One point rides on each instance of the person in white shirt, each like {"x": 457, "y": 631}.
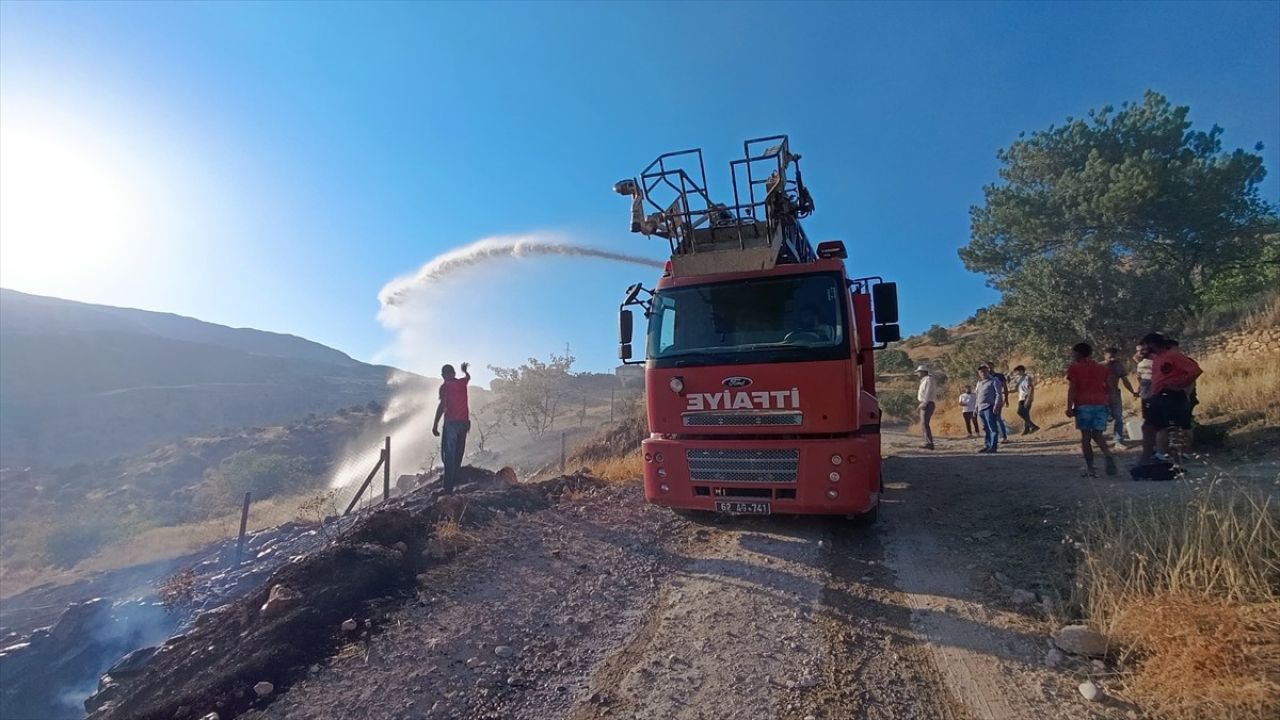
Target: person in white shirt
{"x": 927, "y": 394}
{"x": 969, "y": 407}
{"x": 1026, "y": 395}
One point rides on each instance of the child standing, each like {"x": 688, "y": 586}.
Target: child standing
{"x": 969, "y": 407}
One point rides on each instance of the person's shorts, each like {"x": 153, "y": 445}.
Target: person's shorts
{"x": 1167, "y": 410}
{"x": 1092, "y": 417}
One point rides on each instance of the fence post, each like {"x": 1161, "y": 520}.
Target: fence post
{"x": 386, "y": 470}
{"x": 364, "y": 485}
{"x": 244, "y": 524}
{"x": 563, "y": 435}
{"x": 611, "y": 392}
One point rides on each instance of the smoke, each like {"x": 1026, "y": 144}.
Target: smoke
{"x": 488, "y": 302}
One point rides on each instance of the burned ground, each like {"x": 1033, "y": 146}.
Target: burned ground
{"x": 215, "y": 665}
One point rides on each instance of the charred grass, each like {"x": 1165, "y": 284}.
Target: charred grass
{"x": 374, "y": 562}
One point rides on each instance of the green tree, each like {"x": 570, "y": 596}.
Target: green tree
{"x": 1111, "y": 225}
{"x": 988, "y": 345}
{"x": 533, "y": 395}
{"x": 937, "y": 334}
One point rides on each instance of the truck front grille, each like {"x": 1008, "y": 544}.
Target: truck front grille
{"x": 742, "y": 419}
{"x": 743, "y": 465}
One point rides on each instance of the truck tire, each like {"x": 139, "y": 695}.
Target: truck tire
{"x": 869, "y": 517}
{"x": 698, "y": 516}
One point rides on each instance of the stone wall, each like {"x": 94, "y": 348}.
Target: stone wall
{"x": 1239, "y": 343}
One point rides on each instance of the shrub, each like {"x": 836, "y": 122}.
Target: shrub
{"x": 78, "y": 537}
{"x": 894, "y": 361}
{"x": 263, "y": 474}
{"x": 178, "y": 590}
{"x": 938, "y": 334}
{"x": 899, "y": 405}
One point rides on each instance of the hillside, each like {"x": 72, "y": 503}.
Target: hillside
{"x": 58, "y": 517}
{"x": 81, "y": 382}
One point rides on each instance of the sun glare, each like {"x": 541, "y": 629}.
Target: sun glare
{"x": 69, "y": 205}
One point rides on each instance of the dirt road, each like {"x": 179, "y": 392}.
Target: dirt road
{"x": 603, "y": 607}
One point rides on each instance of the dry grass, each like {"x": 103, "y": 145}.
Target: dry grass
{"x": 628, "y": 468}
{"x": 160, "y": 543}
{"x": 1245, "y": 390}
{"x": 1050, "y": 405}
{"x": 1201, "y": 658}
{"x": 1241, "y": 391}
{"x": 1188, "y": 587}
{"x": 448, "y": 538}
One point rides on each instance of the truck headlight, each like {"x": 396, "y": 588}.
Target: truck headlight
{"x": 676, "y": 385}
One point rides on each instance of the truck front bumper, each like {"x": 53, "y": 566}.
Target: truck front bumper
{"x": 823, "y": 477}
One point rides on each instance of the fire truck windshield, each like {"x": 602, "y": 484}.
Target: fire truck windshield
{"x": 778, "y": 319}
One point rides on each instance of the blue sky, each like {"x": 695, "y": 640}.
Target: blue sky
{"x": 273, "y": 165}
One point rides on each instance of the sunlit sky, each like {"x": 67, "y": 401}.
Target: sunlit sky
{"x": 273, "y": 165}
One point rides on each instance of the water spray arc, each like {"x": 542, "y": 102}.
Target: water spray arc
{"x": 409, "y": 308}
{"x": 497, "y": 248}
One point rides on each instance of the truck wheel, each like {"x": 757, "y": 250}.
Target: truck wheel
{"x": 867, "y": 518}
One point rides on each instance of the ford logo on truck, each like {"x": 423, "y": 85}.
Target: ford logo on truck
{"x": 737, "y": 382}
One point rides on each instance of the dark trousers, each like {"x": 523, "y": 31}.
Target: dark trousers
{"x": 971, "y": 423}
{"x": 453, "y": 445}
{"x": 1024, "y": 412}
{"x": 1117, "y": 414}
{"x": 926, "y": 415}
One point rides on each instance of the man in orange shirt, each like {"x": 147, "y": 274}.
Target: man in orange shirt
{"x": 1088, "y": 401}
{"x": 1168, "y": 404}
{"x": 454, "y": 409}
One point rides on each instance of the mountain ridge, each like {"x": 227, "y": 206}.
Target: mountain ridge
{"x": 83, "y": 382}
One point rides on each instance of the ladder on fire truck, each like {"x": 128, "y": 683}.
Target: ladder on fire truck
{"x": 759, "y": 230}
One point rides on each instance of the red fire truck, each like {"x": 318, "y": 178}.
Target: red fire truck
{"x": 760, "y": 376}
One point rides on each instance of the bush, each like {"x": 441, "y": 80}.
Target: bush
{"x": 894, "y": 361}
{"x": 938, "y": 334}
{"x": 899, "y": 405}
{"x": 263, "y": 474}
{"x": 78, "y": 537}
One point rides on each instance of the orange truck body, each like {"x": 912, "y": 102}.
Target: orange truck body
{"x": 759, "y": 350}
{"x": 828, "y": 463}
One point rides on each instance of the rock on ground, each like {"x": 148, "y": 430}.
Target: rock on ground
{"x": 1081, "y": 640}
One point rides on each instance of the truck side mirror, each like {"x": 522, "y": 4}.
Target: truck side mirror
{"x": 884, "y": 297}
{"x": 625, "y": 321}
{"x": 888, "y": 333}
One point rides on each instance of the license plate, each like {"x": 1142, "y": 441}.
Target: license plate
{"x": 742, "y": 508}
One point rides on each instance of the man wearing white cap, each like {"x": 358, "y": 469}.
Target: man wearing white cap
{"x": 926, "y": 395}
